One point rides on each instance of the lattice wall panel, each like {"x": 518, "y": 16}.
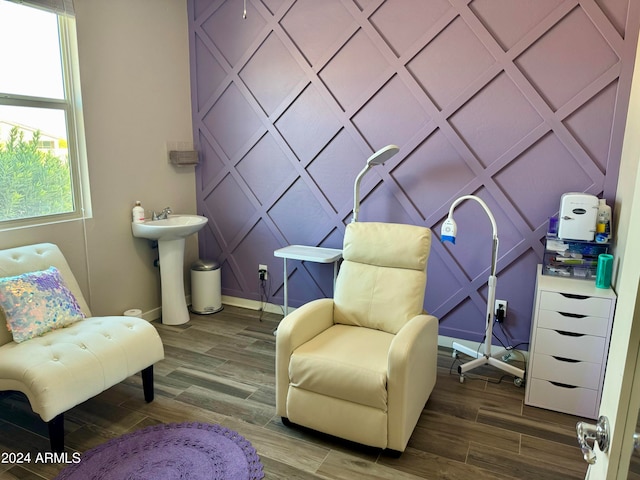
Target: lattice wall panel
{"x": 517, "y": 102}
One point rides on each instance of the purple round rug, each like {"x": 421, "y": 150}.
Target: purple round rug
{"x": 170, "y": 451}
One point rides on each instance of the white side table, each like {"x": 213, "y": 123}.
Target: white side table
{"x": 307, "y": 254}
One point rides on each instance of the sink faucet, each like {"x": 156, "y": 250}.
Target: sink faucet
{"x": 163, "y": 215}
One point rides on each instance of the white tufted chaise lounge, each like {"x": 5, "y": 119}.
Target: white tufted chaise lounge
{"x": 68, "y": 366}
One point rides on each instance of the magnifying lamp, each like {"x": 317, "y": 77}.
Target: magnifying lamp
{"x": 448, "y": 232}
{"x": 378, "y": 158}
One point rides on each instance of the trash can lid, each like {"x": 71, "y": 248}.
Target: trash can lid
{"x": 203, "y": 265}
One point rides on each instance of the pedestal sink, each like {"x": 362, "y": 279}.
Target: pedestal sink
{"x": 171, "y": 234}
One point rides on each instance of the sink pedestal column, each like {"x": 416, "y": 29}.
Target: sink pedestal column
{"x": 174, "y": 305}
{"x": 170, "y": 233}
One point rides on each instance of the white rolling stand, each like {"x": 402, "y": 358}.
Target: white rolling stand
{"x": 569, "y": 345}
{"x": 307, "y": 254}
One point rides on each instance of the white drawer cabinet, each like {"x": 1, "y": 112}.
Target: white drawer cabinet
{"x": 570, "y": 333}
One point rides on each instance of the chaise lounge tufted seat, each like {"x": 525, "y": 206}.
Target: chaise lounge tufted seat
{"x": 67, "y": 366}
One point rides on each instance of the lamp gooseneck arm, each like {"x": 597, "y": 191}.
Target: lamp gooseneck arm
{"x": 482, "y": 204}
{"x": 356, "y": 193}
{"x": 494, "y": 250}
{"x": 377, "y": 158}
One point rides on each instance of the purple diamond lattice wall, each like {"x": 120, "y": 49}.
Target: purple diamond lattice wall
{"x": 517, "y": 102}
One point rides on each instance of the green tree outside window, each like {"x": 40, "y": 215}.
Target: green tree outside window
{"x": 33, "y": 182}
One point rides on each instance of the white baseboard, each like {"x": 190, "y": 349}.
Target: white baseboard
{"x": 443, "y": 341}
{"x": 156, "y": 313}
{"x": 153, "y": 314}
{"x": 254, "y": 304}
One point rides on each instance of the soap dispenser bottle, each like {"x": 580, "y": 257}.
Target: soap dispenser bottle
{"x": 138, "y": 213}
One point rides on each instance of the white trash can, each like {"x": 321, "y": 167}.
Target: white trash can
{"x": 206, "y": 294}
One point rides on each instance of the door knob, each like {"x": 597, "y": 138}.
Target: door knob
{"x": 598, "y": 433}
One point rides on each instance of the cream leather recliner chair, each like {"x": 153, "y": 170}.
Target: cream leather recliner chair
{"x": 362, "y": 365}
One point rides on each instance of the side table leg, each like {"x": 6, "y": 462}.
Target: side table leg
{"x": 286, "y": 290}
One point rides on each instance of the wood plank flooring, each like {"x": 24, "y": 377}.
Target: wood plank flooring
{"x": 220, "y": 369}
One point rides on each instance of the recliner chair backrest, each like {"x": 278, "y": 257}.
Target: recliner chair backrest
{"x": 382, "y": 280}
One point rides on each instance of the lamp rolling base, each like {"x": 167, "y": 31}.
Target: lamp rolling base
{"x": 483, "y": 359}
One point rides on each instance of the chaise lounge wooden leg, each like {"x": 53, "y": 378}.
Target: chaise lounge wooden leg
{"x": 56, "y": 433}
{"x": 56, "y": 424}
{"x": 147, "y": 383}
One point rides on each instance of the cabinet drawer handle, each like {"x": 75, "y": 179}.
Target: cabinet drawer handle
{"x": 561, "y": 385}
{"x": 568, "y": 360}
{"x": 569, "y": 334}
{"x": 572, "y": 315}
{"x": 574, "y": 296}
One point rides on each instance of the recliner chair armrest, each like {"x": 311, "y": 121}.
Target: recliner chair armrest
{"x": 305, "y": 322}
{"x": 412, "y": 371}
{"x": 297, "y": 328}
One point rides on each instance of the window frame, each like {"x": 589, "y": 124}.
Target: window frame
{"x": 71, "y": 105}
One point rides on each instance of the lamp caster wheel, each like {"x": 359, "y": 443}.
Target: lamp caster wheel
{"x": 518, "y": 382}
{"x": 454, "y": 354}
{"x": 461, "y": 378}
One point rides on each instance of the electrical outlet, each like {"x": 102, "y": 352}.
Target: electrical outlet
{"x": 263, "y": 272}
{"x": 500, "y": 310}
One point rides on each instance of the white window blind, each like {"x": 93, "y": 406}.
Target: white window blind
{"x": 60, "y": 7}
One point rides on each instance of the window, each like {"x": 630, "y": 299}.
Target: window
{"x": 42, "y": 159}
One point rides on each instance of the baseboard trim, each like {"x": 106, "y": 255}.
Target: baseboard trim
{"x": 156, "y": 313}
{"x": 254, "y": 304}
{"x": 153, "y": 314}
{"x": 443, "y": 341}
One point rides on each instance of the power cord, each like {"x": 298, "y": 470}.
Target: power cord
{"x": 510, "y": 347}
{"x": 264, "y": 287}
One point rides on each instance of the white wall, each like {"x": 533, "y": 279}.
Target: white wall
{"x": 134, "y": 67}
